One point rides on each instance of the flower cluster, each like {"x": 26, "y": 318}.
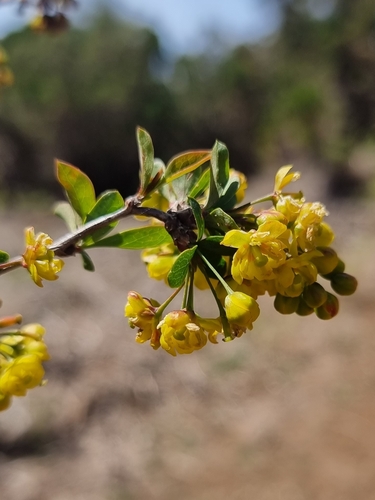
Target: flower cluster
{"x": 283, "y": 251}
{"x": 22, "y": 352}
{"x": 179, "y": 332}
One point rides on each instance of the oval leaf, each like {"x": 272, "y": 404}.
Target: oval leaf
{"x": 197, "y": 212}
{"x": 180, "y": 268}
{"x": 220, "y": 172}
{"x": 146, "y": 158}
{"x": 78, "y": 187}
{"x": 88, "y": 264}
{"x": 65, "y": 211}
{"x": 135, "y": 239}
{"x": 223, "y": 220}
{"x": 184, "y": 163}
{"x": 201, "y": 185}
{"x": 212, "y": 244}
{"x": 107, "y": 203}
{"x": 4, "y": 257}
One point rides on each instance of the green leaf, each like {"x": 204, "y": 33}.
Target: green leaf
{"x": 223, "y": 220}
{"x": 201, "y": 185}
{"x": 180, "y": 187}
{"x": 135, "y": 239}
{"x": 65, "y": 211}
{"x": 184, "y": 163}
{"x": 146, "y": 158}
{"x": 228, "y": 200}
{"x": 4, "y": 257}
{"x": 197, "y": 212}
{"x": 87, "y": 262}
{"x": 180, "y": 268}
{"x": 212, "y": 244}
{"x": 220, "y": 172}
{"x": 107, "y": 203}
{"x": 78, "y": 187}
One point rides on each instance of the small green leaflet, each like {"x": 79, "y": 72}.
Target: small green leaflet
{"x": 88, "y": 264}
{"x": 212, "y": 244}
{"x": 146, "y": 158}
{"x": 78, "y": 187}
{"x": 65, "y": 211}
{"x": 185, "y": 163}
{"x": 107, "y": 203}
{"x": 180, "y": 268}
{"x": 201, "y": 185}
{"x": 135, "y": 239}
{"x": 181, "y": 187}
{"x": 4, "y": 257}
{"x": 220, "y": 172}
{"x": 223, "y": 220}
{"x": 197, "y": 212}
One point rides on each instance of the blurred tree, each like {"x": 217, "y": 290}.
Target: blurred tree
{"x": 308, "y": 91}
{"x": 79, "y": 96}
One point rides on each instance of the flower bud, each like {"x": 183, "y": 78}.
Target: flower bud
{"x": 327, "y": 262}
{"x": 241, "y": 309}
{"x": 314, "y": 295}
{"x": 303, "y": 309}
{"x": 329, "y": 309}
{"x": 286, "y": 305}
{"x": 5, "y": 401}
{"x": 324, "y": 236}
{"x": 340, "y": 268}
{"x": 271, "y": 214}
{"x": 344, "y": 284}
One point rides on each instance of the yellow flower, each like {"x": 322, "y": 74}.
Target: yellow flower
{"x": 38, "y": 259}
{"x": 296, "y": 273}
{"x": 283, "y": 178}
{"x": 271, "y": 214}
{"x": 254, "y": 288}
{"x": 28, "y": 340}
{"x": 212, "y": 326}
{"x": 141, "y": 313}
{"x": 181, "y": 333}
{"x": 290, "y": 207}
{"x": 160, "y": 260}
{"x": 259, "y": 251}
{"x": 33, "y": 341}
{"x": 241, "y": 310}
{"x": 21, "y": 374}
{"x": 307, "y": 228}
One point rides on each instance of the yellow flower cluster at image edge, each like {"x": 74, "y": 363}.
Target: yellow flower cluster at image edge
{"x": 21, "y": 356}
{"x": 179, "y": 332}
{"x": 38, "y": 259}
{"x": 283, "y": 256}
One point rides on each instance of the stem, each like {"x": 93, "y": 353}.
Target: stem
{"x": 222, "y": 281}
{"x": 64, "y": 246}
{"x": 165, "y": 304}
{"x": 269, "y": 197}
{"x": 190, "y": 294}
{"x": 223, "y": 316}
{"x": 11, "y": 264}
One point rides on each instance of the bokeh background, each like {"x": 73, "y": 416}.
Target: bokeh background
{"x": 286, "y": 412}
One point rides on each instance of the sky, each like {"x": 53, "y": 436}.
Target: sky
{"x": 183, "y": 26}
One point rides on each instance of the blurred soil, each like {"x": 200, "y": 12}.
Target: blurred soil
{"x": 287, "y": 412}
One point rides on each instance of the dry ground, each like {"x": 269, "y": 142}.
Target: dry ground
{"x": 285, "y": 413}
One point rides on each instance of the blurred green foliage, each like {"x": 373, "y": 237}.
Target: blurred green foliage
{"x": 308, "y": 91}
